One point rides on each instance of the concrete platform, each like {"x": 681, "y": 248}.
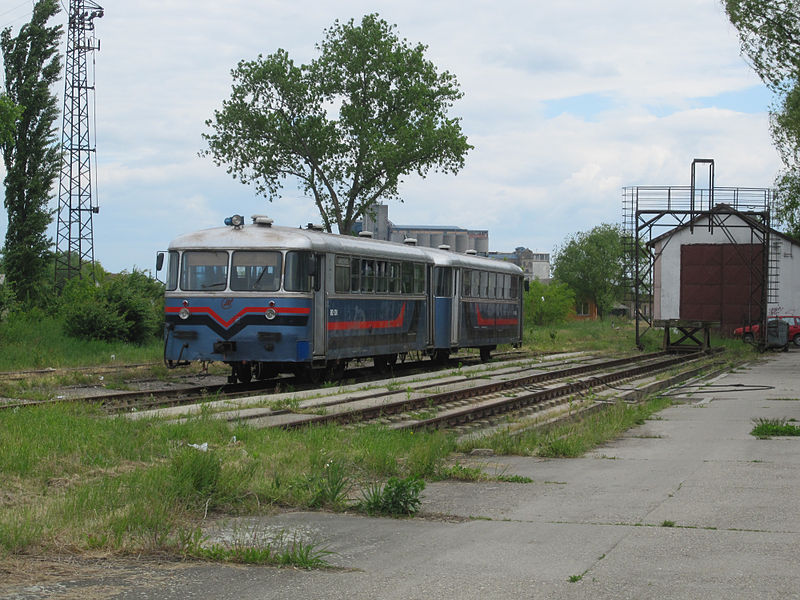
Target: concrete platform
{"x": 689, "y": 505}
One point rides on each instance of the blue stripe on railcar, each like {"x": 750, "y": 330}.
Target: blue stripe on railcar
{"x": 363, "y": 326}
{"x": 233, "y": 329}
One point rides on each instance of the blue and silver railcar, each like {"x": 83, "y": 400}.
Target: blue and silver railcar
{"x": 477, "y": 303}
{"x": 268, "y": 299}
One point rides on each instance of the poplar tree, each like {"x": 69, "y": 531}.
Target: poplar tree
{"x": 32, "y": 66}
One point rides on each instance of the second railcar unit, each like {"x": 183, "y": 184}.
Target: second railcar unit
{"x": 268, "y": 299}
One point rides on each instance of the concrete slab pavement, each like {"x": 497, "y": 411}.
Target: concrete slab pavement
{"x": 689, "y": 505}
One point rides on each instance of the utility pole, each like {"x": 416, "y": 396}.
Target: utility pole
{"x": 74, "y": 234}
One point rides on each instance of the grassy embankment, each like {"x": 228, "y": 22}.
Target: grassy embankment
{"x": 77, "y": 482}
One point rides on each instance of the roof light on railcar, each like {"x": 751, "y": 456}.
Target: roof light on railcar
{"x": 235, "y": 220}
{"x": 262, "y": 220}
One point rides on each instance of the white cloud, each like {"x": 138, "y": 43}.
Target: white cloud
{"x": 543, "y": 166}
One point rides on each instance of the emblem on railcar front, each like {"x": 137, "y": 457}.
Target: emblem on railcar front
{"x": 226, "y": 302}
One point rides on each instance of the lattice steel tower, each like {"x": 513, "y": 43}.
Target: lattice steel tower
{"x": 74, "y": 234}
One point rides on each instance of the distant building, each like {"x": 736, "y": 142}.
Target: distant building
{"x": 430, "y": 236}
{"x": 536, "y": 265}
{"x": 585, "y": 310}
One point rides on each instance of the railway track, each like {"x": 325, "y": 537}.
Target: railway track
{"x": 451, "y": 401}
{"x": 52, "y": 372}
{"x": 146, "y": 399}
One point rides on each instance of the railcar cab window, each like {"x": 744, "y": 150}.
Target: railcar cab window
{"x": 172, "y": 271}
{"x": 256, "y": 271}
{"x": 204, "y": 270}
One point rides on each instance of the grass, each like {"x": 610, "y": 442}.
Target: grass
{"x": 75, "y": 480}
{"x": 571, "y": 439}
{"x": 36, "y": 340}
{"x": 766, "y": 428}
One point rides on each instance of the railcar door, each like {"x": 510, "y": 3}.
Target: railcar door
{"x": 455, "y": 318}
{"x": 318, "y": 291}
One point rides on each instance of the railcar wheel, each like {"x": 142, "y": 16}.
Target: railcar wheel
{"x": 262, "y": 371}
{"x": 334, "y": 371}
{"x": 486, "y": 354}
{"x": 440, "y": 357}
{"x": 308, "y": 374}
{"x": 385, "y": 362}
{"x": 244, "y": 372}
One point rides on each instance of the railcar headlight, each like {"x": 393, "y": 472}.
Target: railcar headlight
{"x": 183, "y": 313}
{"x": 235, "y": 220}
{"x": 270, "y": 313}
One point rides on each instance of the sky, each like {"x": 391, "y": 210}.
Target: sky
{"x": 564, "y": 102}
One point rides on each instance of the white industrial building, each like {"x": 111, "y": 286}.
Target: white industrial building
{"x": 717, "y": 273}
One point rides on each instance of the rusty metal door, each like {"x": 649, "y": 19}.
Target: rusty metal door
{"x": 721, "y": 282}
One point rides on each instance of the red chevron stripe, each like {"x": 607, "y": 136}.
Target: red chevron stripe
{"x": 258, "y": 310}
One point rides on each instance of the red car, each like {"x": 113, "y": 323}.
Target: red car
{"x": 748, "y": 333}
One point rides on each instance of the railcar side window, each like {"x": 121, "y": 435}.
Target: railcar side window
{"x": 256, "y": 271}
{"x": 172, "y": 271}
{"x": 492, "y": 290}
{"x": 381, "y": 280}
{"x": 394, "y": 278}
{"x": 408, "y": 278}
{"x": 419, "y": 279}
{"x": 355, "y": 274}
{"x": 298, "y": 272}
{"x": 514, "y": 287}
{"x": 367, "y": 275}
{"x": 342, "y": 274}
{"x": 204, "y": 270}
{"x": 443, "y": 281}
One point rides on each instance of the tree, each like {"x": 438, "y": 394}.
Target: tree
{"x": 769, "y": 31}
{"x": 31, "y": 156}
{"x": 592, "y": 264}
{"x": 392, "y": 121}
{"x": 9, "y": 115}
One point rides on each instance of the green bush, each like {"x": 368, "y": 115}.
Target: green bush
{"x": 548, "y": 304}
{"x": 127, "y": 307}
{"x": 95, "y": 320}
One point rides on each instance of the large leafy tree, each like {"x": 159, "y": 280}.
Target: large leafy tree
{"x": 32, "y": 65}
{"x": 348, "y": 126}
{"x": 769, "y": 31}
{"x": 592, "y": 263}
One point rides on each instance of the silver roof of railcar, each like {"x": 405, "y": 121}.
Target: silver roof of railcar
{"x": 258, "y": 237}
